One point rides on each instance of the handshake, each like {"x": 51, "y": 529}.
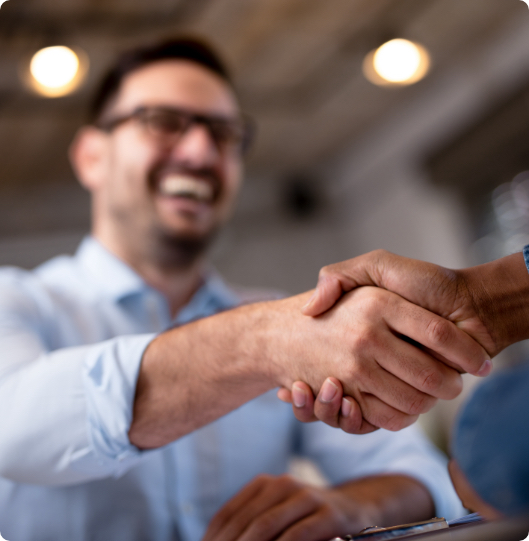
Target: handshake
{"x": 412, "y": 335}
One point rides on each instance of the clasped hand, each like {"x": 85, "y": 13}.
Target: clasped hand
{"x": 415, "y": 354}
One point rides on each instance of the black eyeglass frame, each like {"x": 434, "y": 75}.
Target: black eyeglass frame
{"x": 244, "y": 123}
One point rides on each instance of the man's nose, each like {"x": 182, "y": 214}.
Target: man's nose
{"x": 196, "y": 146}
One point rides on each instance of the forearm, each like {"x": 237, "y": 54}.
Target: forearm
{"x": 385, "y": 500}
{"x": 500, "y": 294}
{"x": 194, "y": 374}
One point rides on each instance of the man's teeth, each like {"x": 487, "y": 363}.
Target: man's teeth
{"x": 184, "y": 186}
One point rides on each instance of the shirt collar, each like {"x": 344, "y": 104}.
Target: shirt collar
{"x": 111, "y": 275}
{"x": 118, "y": 281}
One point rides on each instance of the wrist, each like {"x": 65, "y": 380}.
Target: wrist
{"x": 279, "y": 340}
{"x": 499, "y": 292}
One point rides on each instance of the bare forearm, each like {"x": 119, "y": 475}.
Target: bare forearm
{"x": 386, "y": 500}
{"x": 194, "y": 374}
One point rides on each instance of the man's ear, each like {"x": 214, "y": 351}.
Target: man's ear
{"x": 88, "y": 154}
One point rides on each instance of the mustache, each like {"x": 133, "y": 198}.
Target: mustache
{"x": 206, "y": 174}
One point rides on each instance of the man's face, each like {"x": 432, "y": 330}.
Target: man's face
{"x": 183, "y": 189}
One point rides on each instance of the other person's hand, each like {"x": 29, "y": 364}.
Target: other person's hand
{"x": 486, "y": 301}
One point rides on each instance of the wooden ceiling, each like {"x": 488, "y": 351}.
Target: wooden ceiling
{"x": 297, "y": 64}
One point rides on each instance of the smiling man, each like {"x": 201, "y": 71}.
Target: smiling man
{"x": 138, "y": 397}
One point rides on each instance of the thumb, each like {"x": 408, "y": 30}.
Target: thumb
{"x": 328, "y": 290}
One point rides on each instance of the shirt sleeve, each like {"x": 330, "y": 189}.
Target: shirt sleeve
{"x": 526, "y": 256}
{"x": 342, "y": 457}
{"x": 65, "y": 412}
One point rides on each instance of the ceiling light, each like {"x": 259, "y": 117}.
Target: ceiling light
{"x": 398, "y": 62}
{"x": 56, "y": 71}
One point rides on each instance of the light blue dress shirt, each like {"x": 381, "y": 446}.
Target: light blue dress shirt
{"x": 72, "y": 335}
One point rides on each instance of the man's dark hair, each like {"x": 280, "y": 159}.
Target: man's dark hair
{"x": 184, "y": 48}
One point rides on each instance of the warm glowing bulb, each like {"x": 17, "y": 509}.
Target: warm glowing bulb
{"x": 54, "y": 66}
{"x": 56, "y": 71}
{"x": 397, "y": 62}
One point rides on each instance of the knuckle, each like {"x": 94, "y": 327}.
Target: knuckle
{"x": 364, "y": 339}
{"x": 264, "y": 524}
{"x": 325, "y": 271}
{"x": 380, "y": 253}
{"x": 328, "y": 272}
{"x": 439, "y": 331}
{"x": 399, "y": 422}
{"x": 421, "y": 404}
{"x": 431, "y": 380}
{"x": 351, "y": 426}
{"x": 455, "y": 387}
{"x": 395, "y": 421}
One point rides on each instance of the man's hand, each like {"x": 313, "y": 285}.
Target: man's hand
{"x": 330, "y": 406}
{"x": 284, "y": 509}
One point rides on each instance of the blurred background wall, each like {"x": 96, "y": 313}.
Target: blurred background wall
{"x": 433, "y": 170}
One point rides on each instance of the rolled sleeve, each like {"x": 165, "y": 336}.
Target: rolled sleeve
{"x": 109, "y": 376}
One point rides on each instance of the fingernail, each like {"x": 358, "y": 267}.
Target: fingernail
{"x": 328, "y": 391}
{"x": 346, "y": 408}
{"x": 298, "y": 396}
{"x": 310, "y": 301}
{"x": 485, "y": 369}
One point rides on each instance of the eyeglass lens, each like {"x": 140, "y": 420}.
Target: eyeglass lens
{"x": 167, "y": 125}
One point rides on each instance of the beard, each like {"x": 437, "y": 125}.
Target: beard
{"x": 179, "y": 252}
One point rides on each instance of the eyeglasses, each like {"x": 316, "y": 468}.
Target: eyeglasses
{"x": 167, "y": 125}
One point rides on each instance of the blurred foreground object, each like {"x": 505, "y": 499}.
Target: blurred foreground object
{"x": 491, "y": 441}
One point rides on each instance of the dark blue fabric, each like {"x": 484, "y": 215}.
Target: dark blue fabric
{"x": 491, "y": 440}
{"x": 526, "y": 256}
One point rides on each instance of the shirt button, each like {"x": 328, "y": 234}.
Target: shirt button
{"x": 187, "y": 508}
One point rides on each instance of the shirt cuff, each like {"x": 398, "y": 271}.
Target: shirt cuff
{"x": 526, "y": 256}
{"x": 109, "y": 376}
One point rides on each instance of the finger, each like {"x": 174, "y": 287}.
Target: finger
{"x": 416, "y": 377}
{"x": 343, "y": 412}
{"x": 275, "y": 520}
{"x": 379, "y": 414}
{"x": 234, "y": 506}
{"x": 397, "y": 394}
{"x": 303, "y": 402}
{"x": 351, "y": 418}
{"x": 284, "y": 395}
{"x": 315, "y": 527}
{"x": 335, "y": 280}
{"x": 251, "y": 505}
{"x": 327, "y": 292}
{"x": 437, "y": 334}
{"x": 328, "y": 404}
